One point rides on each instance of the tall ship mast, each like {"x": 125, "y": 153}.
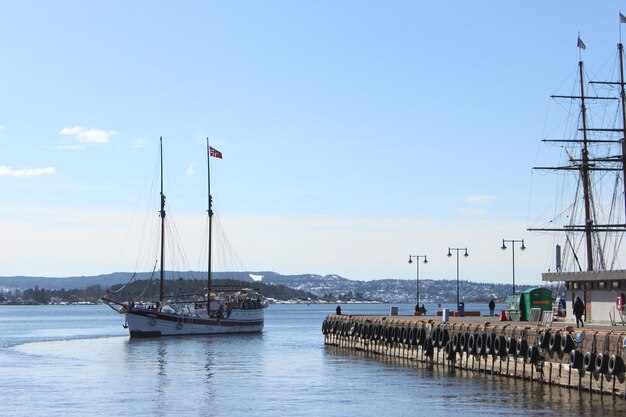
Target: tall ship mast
{"x": 591, "y": 168}
{"x": 592, "y": 224}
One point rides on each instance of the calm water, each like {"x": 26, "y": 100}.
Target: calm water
{"x": 79, "y": 361}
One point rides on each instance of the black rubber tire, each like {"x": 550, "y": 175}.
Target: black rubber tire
{"x": 444, "y": 336}
{"x": 489, "y": 343}
{"x": 511, "y": 346}
{"x": 575, "y": 359}
{"x": 555, "y": 342}
{"x": 615, "y": 365}
{"x": 499, "y": 346}
{"x": 532, "y": 354}
{"x": 521, "y": 348}
{"x": 544, "y": 339}
{"x": 472, "y": 339}
{"x": 602, "y": 363}
{"x": 567, "y": 343}
{"x": 589, "y": 362}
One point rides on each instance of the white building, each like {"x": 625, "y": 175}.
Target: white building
{"x": 599, "y": 290}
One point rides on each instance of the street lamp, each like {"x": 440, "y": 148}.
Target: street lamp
{"x": 417, "y": 280}
{"x": 458, "y": 300}
{"x": 513, "y": 242}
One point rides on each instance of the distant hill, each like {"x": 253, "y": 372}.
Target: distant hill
{"x": 328, "y": 287}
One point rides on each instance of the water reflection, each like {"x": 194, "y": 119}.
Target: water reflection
{"x": 471, "y": 393}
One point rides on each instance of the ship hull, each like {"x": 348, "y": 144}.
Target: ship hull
{"x": 142, "y": 323}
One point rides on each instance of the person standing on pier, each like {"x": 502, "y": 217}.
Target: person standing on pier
{"x": 338, "y": 310}
{"x": 579, "y": 309}
{"x": 492, "y": 307}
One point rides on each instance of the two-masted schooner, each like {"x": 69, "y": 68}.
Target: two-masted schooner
{"x": 223, "y": 311}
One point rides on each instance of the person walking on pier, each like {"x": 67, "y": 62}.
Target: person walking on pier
{"x": 492, "y": 307}
{"x": 579, "y": 309}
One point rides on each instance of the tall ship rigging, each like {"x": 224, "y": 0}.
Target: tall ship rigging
{"x": 219, "y": 310}
{"x": 591, "y": 223}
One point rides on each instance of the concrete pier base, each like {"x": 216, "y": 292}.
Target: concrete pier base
{"x": 584, "y": 359}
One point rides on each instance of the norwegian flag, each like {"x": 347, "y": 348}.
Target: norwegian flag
{"x": 215, "y": 153}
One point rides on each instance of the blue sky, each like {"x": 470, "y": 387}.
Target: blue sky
{"x": 353, "y": 132}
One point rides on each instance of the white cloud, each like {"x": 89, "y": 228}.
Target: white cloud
{"x": 190, "y": 170}
{"x": 139, "y": 143}
{"x": 25, "y": 172}
{"x": 472, "y": 211}
{"x": 480, "y": 198}
{"x": 71, "y": 147}
{"x": 84, "y": 135}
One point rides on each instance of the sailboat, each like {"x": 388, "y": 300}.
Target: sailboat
{"x": 239, "y": 310}
{"x": 591, "y": 225}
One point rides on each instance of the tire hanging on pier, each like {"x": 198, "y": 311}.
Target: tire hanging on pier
{"x": 421, "y": 336}
{"x": 406, "y": 339}
{"x": 575, "y": 359}
{"x": 511, "y": 346}
{"x": 544, "y": 339}
{"x": 615, "y": 365}
{"x": 435, "y": 336}
{"x": 428, "y": 347}
{"x": 567, "y": 343}
{"x": 444, "y": 336}
{"x": 491, "y": 337}
{"x": 471, "y": 343}
{"x": 521, "y": 348}
{"x": 456, "y": 342}
{"x": 589, "y": 362}
{"x": 555, "y": 342}
{"x": 602, "y": 363}
{"x": 532, "y": 354}
{"x": 499, "y": 346}
{"x": 481, "y": 344}
{"x": 449, "y": 351}
{"x": 463, "y": 341}
{"x": 386, "y": 334}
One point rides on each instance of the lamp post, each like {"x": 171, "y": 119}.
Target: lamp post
{"x": 417, "y": 278}
{"x": 513, "y": 242}
{"x": 458, "y": 300}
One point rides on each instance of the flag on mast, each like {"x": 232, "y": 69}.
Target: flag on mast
{"x": 215, "y": 153}
{"x": 581, "y": 44}
{"x": 622, "y": 18}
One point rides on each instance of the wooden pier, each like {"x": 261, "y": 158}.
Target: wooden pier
{"x": 589, "y": 358}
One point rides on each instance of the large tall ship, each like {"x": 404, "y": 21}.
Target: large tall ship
{"x": 218, "y": 310}
{"x": 590, "y": 216}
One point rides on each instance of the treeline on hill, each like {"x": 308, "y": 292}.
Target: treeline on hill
{"x": 145, "y": 290}
{"x": 38, "y": 295}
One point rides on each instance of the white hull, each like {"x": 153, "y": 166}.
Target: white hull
{"x": 145, "y": 323}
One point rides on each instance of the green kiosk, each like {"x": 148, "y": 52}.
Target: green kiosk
{"x": 518, "y": 306}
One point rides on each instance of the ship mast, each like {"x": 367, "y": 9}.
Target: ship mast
{"x": 210, "y": 213}
{"x": 586, "y": 164}
{"x": 584, "y": 173}
{"x": 162, "y": 215}
{"x": 620, "y": 47}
